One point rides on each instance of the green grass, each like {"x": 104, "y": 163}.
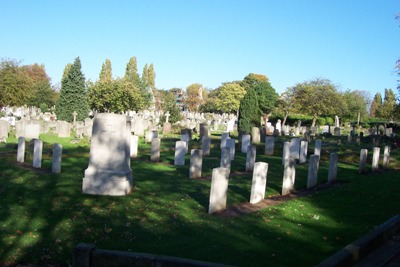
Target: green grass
{"x": 44, "y": 215}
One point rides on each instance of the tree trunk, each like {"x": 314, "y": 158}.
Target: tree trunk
{"x": 285, "y": 118}
{"x": 314, "y": 120}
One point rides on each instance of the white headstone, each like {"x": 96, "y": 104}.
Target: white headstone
{"x": 180, "y": 152}
{"x": 21, "y": 149}
{"x": 196, "y": 163}
{"x": 259, "y": 183}
{"x": 333, "y": 164}
{"x": 363, "y": 161}
{"x": 250, "y": 157}
{"x": 269, "y": 145}
{"x": 57, "y": 155}
{"x": 303, "y": 152}
{"x": 245, "y": 142}
{"x": 289, "y": 175}
{"x": 219, "y": 189}
{"x": 375, "y": 159}
{"x": 313, "y": 171}
{"x": 155, "y": 150}
{"x": 386, "y": 157}
{"x": 134, "y": 146}
{"x": 37, "y": 153}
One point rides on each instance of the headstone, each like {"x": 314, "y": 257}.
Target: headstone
{"x": 375, "y": 159}
{"x": 37, "y": 153}
{"x": 289, "y": 175}
{"x": 109, "y": 171}
{"x": 225, "y": 158}
{"x": 333, "y": 164}
{"x": 63, "y": 129}
{"x": 245, "y": 142}
{"x": 20, "y": 127}
{"x": 185, "y": 137}
{"x": 255, "y": 135}
{"x": 205, "y": 145}
{"x": 269, "y": 145}
{"x": 219, "y": 189}
{"x": 285, "y": 152}
{"x": 295, "y": 148}
{"x": 336, "y": 131}
{"x": 317, "y": 147}
{"x": 21, "y": 149}
{"x": 57, "y": 155}
{"x": 138, "y": 126}
{"x": 155, "y": 150}
{"x": 389, "y": 132}
{"x": 363, "y": 161}
{"x": 196, "y": 163}
{"x": 278, "y": 127}
{"x": 180, "y": 152}
{"x": 167, "y": 128}
{"x": 32, "y": 131}
{"x": 386, "y": 157}
{"x": 134, "y": 146}
{"x": 230, "y": 144}
{"x": 224, "y": 137}
{"x": 259, "y": 182}
{"x": 303, "y": 152}
{"x": 204, "y": 130}
{"x": 250, "y": 157}
{"x": 313, "y": 171}
{"x": 4, "y": 129}
{"x": 230, "y": 125}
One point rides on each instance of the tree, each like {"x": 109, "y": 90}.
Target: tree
{"x": 376, "y": 106}
{"x": 252, "y": 80}
{"x": 73, "y": 94}
{"x": 131, "y": 72}
{"x": 169, "y": 105}
{"x": 194, "y": 96}
{"x": 227, "y": 97}
{"x": 148, "y": 82}
{"x": 15, "y": 84}
{"x": 318, "y": 97}
{"x": 356, "y": 105}
{"x": 389, "y": 105}
{"x": 249, "y": 114}
{"x": 285, "y": 104}
{"x": 106, "y": 71}
{"x": 266, "y": 96}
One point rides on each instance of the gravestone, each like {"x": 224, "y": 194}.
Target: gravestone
{"x": 4, "y": 129}
{"x": 57, "y": 155}
{"x": 250, "y": 157}
{"x": 289, "y": 175}
{"x": 204, "y": 130}
{"x": 20, "y": 127}
{"x": 185, "y": 137}
{"x": 333, "y": 164}
{"x": 245, "y": 142}
{"x": 63, "y": 129}
{"x": 37, "y": 153}
{"x": 285, "y": 152}
{"x": 225, "y": 158}
{"x": 255, "y": 135}
{"x": 21, "y": 149}
{"x": 219, "y": 189}
{"x": 386, "y": 157}
{"x": 109, "y": 171}
{"x": 375, "y": 159}
{"x": 230, "y": 144}
{"x": 269, "y": 145}
{"x": 205, "y": 145}
{"x": 134, "y": 146}
{"x": 32, "y": 131}
{"x": 303, "y": 152}
{"x": 196, "y": 163}
{"x": 295, "y": 148}
{"x": 313, "y": 171}
{"x": 155, "y": 150}
{"x": 167, "y": 128}
{"x": 317, "y": 147}
{"x": 259, "y": 182}
{"x": 138, "y": 126}
{"x": 363, "y": 161}
{"x": 180, "y": 152}
{"x": 336, "y": 131}
{"x": 224, "y": 137}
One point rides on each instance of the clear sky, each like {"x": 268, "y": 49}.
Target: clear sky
{"x": 354, "y": 43}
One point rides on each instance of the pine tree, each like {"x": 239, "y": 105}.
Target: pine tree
{"x": 131, "y": 72}
{"x": 106, "y": 72}
{"x": 249, "y": 112}
{"x": 73, "y": 95}
{"x": 376, "y": 106}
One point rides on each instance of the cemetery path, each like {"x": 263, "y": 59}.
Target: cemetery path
{"x": 246, "y": 208}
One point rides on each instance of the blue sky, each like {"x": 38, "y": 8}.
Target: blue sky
{"x": 354, "y": 43}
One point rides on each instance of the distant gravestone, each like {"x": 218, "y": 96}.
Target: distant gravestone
{"x": 386, "y": 157}
{"x": 155, "y": 150}
{"x": 259, "y": 182}
{"x": 180, "y": 152}
{"x": 205, "y": 145}
{"x": 313, "y": 171}
{"x": 245, "y": 142}
{"x": 196, "y": 163}
{"x": 225, "y": 158}
{"x": 57, "y": 155}
{"x": 230, "y": 144}
{"x": 32, "y": 131}
{"x": 37, "y": 153}
{"x": 269, "y": 145}
{"x": 363, "y": 161}
{"x": 295, "y": 148}
{"x": 20, "y": 127}
{"x": 21, "y": 149}
{"x": 333, "y": 164}
{"x": 219, "y": 189}
{"x": 63, "y": 129}
{"x": 204, "y": 130}
{"x": 4, "y": 129}
{"x": 336, "y": 131}
{"x": 185, "y": 137}
{"x": 224, "y": 137}
{"x": 109, "y": 171}
{"x": 250, "y": 157}
{"x": 134, "y": 146}
{"x": 167, "y": 128}
{"x": 289, "y": 175}
{"x": 375, "y": 159}
{"x": 317, "y": 147}
{"x": 255, "y": 135}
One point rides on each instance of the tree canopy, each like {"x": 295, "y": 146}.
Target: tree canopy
{"x": 249, "y": 114}
{"x": 194, "y": 96}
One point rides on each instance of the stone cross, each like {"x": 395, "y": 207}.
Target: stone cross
{"x": 74, "y": 114}
{"x": 167, "y": 116}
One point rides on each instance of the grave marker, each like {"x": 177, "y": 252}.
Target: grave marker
{"x": 219, "y": 188}
{"x": 259, "y": 182}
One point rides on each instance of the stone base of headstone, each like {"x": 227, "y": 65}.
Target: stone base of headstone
{"x": 107, "y": 182}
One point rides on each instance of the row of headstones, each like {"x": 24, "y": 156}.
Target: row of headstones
{"x": 37, "y": 154}
{"x": 375, "y": 159}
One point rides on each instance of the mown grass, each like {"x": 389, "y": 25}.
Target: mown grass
{"x": 44, "y": 215}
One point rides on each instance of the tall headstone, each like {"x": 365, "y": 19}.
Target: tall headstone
{"x": 204, "y": 130}
{"x": 295, "y": 148}
{"x": 313, "y": 171}
{"x": 245, "y": 142}
{"x": 255, "y": 135}
{"x": 363, "y": 161}
{"x": 21, "y": 149}
{"x": 269, "y": 145}
{"x": 155, "y": 150}
{"x": 259, "y": 182}
{"x": 289, "y": 175}
{"x": 109, "y": 171}
{"x": 386, "y": 157}
{"x": 4, "y": 129}
{"x": 37, "y": 153}
{"x": 336, "y": 131}
{"x": 186, "y": 137}
{"x": 303, "y": 152}
{"x": 230, "y": 144}
{"x": 20, "y": 128}
{"x": 224, "y": 137}
{"x": 57, "y": 155}
{"x": 134, "y": 146}
{"x": 219, "y": 189}
{"x": 225, "y": 158}
{"x": 205, "y": 145}
{"x": 333, "y": 164}
{"x": 285, "y": 152}
{"x": 318, "y": 147}
{"x": 180, "y": 152}
{"x": 250, "y": 157}
{"x": 375, "y": 159}
{"x": 196, "y": 163}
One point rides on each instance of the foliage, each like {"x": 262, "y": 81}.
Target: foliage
{"x": 356, "y": 105}
{"x": 169, "y": 105}
{"x": 131, "y": 73}
{"x": 15, "y": 84}
{"x": 73, "y": 94}
{"x": 266, "y": 96}
{"x": 227, "y": 97}
{"x": 376, "y": 106}
{"x": 106, "y": 71}
{"x": 389, "y": 105}
{"x": 194, "y": 97}
{"x": 249, "y": 114}
{"x": 43, "y": 95}
{"x": 252, "y": 80}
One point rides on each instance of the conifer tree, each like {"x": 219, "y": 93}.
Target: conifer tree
{"x": 106, "y": 72}
{"x": 131, "y": 72}
{"x": 73, "y": 95}
{"x": 249, "y": 112}
{"x": 376, "y": 106}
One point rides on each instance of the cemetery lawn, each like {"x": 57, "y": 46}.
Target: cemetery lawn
{"x": 44, "y": 215}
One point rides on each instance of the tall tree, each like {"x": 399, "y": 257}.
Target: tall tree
{"x": 106, "y": 71}
{"x": 356, "y": 105}
{"x": 73, "y": 95}
{"x": 249, "y": 113}
{"x": 227, "y": 97}
{"x": 252, "y": 80}
{"x": 15, "y": 84}
{"x": 267, "y": 97}
{"x": 389, "y": 105}
{"x": 194, "y": 97}
{"x": 285, "y": 104}
{"x": 169, "y": 105}
{"x": 376, "y": 106}
{"x": 131, "y": 72}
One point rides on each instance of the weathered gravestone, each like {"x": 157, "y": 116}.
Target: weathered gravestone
{"x": 269, "y": 145}
{"x": 32, "y": 131}
{"x": 363, "y": 161}
{"x": 386, "y": 157}
{"x": 375, "y": 159}
{"x": 134, "y": 146}
{"x": 303, "y": 152}
{"x": 63, "y": 129}
{"x": 180, "y": 152}
{"x": 21, "y": 149}
{"x": 295, "y": 148}
{"x": 196, "y": 163}
{"x": 57, "y": 155}
{"x": 313, "y": 171}
{"x": 289, "y": 176}
{"x": 333, "y": 164}
{"x": 245, "y": 142}
{"x": 230, "y": 144}
{"x": 224, "y": 137}
{"x": 219, "y": 189}
{"x": 4, "y": 129}
{"x": 205, "y": 145}
{"x": 250, "y": 157}
{"x": 317, "y": 147}
{"x": 259, "y": 182}
{"x": 225, "y": 158}
{"x": 109, "y": 171}
{"x": 37, "y": 153}
{"x": 155, "y": 150}
{"x": 185, "y": 137}
{"x": 255, "y": 135}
